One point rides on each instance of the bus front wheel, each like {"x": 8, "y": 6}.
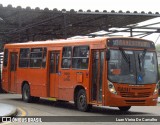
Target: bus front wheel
{"x": 124, "y": 108}
{"x": 26, "y": 93}
{"x": 82, "y": 101}
{"x": 35, "y": 99}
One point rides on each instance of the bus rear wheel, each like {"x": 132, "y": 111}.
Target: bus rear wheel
{"x": 26, "y": 93}
{"x": 81, "y": 102}
{"x": 124, "y": 108}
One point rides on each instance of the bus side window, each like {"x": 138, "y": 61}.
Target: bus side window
{"x": 36, "y": 57}
{"x": 66, "y": 57}
{"x": 5, "y": 61}
{"x": 80, "y": 57}
{"x": 24, "y": 57}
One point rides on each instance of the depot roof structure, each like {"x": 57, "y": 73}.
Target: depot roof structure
{"x": 26, "y": 24}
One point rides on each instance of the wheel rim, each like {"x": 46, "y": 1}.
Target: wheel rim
{"x": 82, "y": 101}
{"x": 26, "y": 92}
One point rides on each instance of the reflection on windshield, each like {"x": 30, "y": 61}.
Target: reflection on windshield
{"x": 148, "y": 71}
{"x": 140, "y": 67}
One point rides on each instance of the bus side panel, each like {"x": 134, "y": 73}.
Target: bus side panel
{"x": 22, "y": 75}
{"x": 36, "y": 78}
{"x": 82, "y": 79}
{"x": 69, "y": 79}
{"x": 38, "y": 82}
{"x": 66, "y": 81}
{"x": 5, "y": 81}
{"x": 65, "y": 94}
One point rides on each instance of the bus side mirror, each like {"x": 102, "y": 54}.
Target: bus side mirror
{"x": 108, "y": 54}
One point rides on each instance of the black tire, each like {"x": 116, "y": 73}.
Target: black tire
{"x": 81, "y": 101}
{"x": 35, "y": 99}
{"x": 124, "y": 108}
{"x": 61, "y": 101}
{"x": 26, "y": 93}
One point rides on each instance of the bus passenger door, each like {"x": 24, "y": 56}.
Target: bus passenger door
{"x": 13, "y": 68}
{"x": 53, "y": 73}
{"x": 97, "y": 75}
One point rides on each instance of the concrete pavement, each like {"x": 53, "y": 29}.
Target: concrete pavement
{"x": 7, "y": 110}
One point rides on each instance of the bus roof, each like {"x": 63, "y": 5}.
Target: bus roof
{"x": 59, "y": 41}
{"x": 69, "y": 41}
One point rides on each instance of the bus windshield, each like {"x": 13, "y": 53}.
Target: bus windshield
{"x": 132, "y": 67}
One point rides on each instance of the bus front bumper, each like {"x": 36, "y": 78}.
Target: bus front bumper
{"x": 117, "y": 101}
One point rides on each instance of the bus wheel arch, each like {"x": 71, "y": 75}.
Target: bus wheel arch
{"x": 76, "y": 90}
{"x": 26, "y": 96}
{"x": 80, "y": 99}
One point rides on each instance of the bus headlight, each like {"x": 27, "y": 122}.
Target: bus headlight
{"x": 156, "y": 89}
{"x": 111, "y": 87}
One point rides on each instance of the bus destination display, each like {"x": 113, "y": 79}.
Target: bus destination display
{"x": 130, "y": 43}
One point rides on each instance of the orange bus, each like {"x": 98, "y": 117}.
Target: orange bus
{"x": 118, "y": 71}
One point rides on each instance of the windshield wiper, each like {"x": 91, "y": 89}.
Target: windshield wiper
{"x": 141, "y": 59}
{"x": 126, "y": 57}
{"x": 143, "y": 54}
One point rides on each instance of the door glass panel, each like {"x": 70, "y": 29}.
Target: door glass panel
{"x": 5, "y": 59}
{"x": 57, "y": 62}
{"x": 13, "y": 62}
{"x": 52, "y": 62}
{"x": 95, "y": 58}
{"x": 101, "y": 76}
{"x": 97, "y": 75}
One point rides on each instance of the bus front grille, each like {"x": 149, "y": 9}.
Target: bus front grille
{"x": 135, "y": 94}
{"x": 135, "y": 101}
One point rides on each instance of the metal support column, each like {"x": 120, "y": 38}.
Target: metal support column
{"x": 131, "y": 33}
{"x": 65, "y": 25}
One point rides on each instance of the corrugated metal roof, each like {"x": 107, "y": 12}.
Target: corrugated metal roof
{"x": 26, "y": 24}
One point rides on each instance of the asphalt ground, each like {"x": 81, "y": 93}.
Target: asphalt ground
{"x": 50, "y": 109}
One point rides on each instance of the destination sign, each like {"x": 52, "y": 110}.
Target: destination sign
{"x": 130, "y": 43}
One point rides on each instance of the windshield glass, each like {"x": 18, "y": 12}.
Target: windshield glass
{"x": 133, "y": 67}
